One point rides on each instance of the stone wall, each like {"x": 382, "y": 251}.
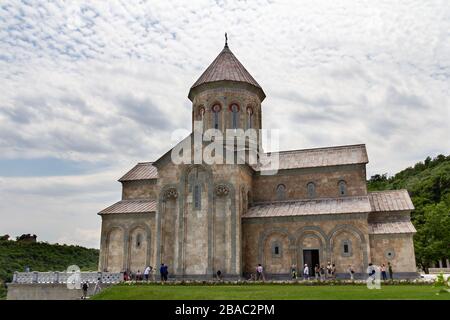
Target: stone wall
{"x": 225, "y": 98}
{"x": 398, "y": 249}
{"x": 294, "y": 234}
{"x": 127, "y": 242}
{"x": 139, "y": 189}
{"x": 41, "y": 291}
{"x": 326, "y": 181}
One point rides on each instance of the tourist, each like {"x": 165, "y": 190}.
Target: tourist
{"x": 166, "y": 272}
{"x": 152, "y": 274}
{"x": 97, "y": 287}
{"x": 371, "y": 271}
{"x": 329, "y": 270}
{"x": 351, "y": 272}
{"x": 259, "y": 272}
{"x": 138, "y": 275}
{"x": 306, "y": 272}
{"x": 85, "y": 290}
{"x": 333, "y": 271}
{"x": 294, "y": 272}
{"x": 219, "y": 275}
{"x": 383, "y": 272}
{"x": 162, "y": 272}
{"x": 317, "y": 272}
{"x": 146, "y": 273}
{"x": 125, "y": 276}
{"x": 391, "y": 274}
{"x": 322, "y": 273}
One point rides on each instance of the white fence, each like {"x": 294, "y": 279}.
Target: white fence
{"x": 62, "y": 277}
{"x": 438, "y": 270}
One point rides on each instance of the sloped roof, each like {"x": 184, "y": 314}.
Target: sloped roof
{"x": 141, "y": 171}
{"x": 390, "y": 200}
{"x": 226, "y": 67}
{"x": 391, "y": 227}
{"x": 320, "y": 157}
{"x": 131, "y": 206}
{"x": 310, "y": 207}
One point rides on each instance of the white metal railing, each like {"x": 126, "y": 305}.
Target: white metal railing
{"x": 62, "y": 277}
{"x": 439, "y": 270}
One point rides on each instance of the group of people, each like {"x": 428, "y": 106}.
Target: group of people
{"x": 147, "y": 275}
{"x": 371, "y": 271}
{"x": 327, "y": 273}
{"x": 320, "y": 272}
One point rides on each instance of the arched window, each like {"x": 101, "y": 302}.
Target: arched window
{"x": 281, "y": 192}
{"x": 138, "y": 240}
{"x": 234, "y": 116}
{"x": 216, "y": 114}
{"x": 311, "y": 189}
{"x": 200, "y": 113}
{"x": 249, "y": 117}
{"x": 197, "y": 197}
{"x": 342, "y": 188}
{"x": 276, "y": 249}
{"x": 346, "y": 248}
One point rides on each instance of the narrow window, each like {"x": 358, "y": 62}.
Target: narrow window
{"x": 277, "y": 250}
{"x": 235, "y": 115}
{"x": 281, "y": 192}
{"x": 200, "y": 113}
{"x": 342, "y": 188}
{"x": 311, "y": 189}
{"x": 138, "y": 240}
{"x": 216, "y": 111}
{"x": 197, "y": 199}
{"x": 249, "y": 117}
{"x": 345, "y": 248}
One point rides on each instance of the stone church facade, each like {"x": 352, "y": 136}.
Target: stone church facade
{"x": 200, "y": 218}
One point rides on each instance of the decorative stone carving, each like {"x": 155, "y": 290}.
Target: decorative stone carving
{"x": 171, "y": 193}
{"x": 222, "y": 190}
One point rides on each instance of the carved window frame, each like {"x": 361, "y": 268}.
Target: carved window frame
{"x": 274, "y": 245}
{"x": 348, "y": 243}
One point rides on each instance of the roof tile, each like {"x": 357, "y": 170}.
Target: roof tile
{"x": 141, "y": 171}
{"x": 310, "y": 207}
{"x": 391, "y": 227}
{"x": 390, "y": 200}
{"x": 131, "y": 206}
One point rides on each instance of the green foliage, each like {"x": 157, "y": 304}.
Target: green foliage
{"x": 441, "y": 282}
{"x": 428, "y": 184}
{"x": 41, "y": 256}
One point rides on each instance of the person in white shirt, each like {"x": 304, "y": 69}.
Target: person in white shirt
{"x": 146, "y": 273}
{"x": 259, "y": 272}
{"x": 306, "y": 272}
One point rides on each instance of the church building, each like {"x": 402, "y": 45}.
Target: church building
{"x": 198, "y": 218}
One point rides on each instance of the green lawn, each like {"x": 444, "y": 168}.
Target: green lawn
{"x": 269, "y": 291}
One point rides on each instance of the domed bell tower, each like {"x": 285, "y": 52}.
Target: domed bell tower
{"x": 227, "y": 98}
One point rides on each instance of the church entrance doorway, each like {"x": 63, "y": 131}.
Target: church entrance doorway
{"x": 311, "y": 258}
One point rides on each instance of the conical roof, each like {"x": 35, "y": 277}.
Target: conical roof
{"x": 226, "y": 67}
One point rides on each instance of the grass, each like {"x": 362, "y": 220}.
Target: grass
{"x": 269, "y": 291}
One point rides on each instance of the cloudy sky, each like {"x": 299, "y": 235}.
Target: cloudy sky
{"x": 89, "y": 88}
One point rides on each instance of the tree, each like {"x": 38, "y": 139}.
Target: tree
{"x": 432, "y": 240}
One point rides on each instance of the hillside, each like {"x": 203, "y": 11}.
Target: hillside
{"x": 41, "y": 256}
{"x": 428, "y": 184}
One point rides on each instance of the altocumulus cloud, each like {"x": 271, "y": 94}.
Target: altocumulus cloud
{"x": 92, "y": 87}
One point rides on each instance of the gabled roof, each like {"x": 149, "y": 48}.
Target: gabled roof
{"x": 310, "y": 207}
{"x": 141, "y": 171}
{"x": 131, "y": 206}
{"x": 390, "y": 200}
{"x": 321, "y": 157}
{"x": 391, "y": 227}
{"x": 226, "y": 67}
